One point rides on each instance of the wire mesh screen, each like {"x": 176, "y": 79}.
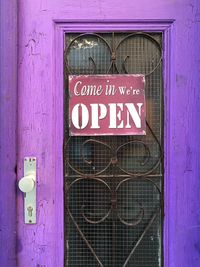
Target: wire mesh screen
{"x": 113, "y": 184}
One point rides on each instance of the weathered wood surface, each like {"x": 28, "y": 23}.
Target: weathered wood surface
{"x": 40, "y": 125}
{"x": 8, "y": 96}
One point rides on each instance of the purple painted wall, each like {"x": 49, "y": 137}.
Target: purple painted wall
{"x": 8, "y": 96}
{"x": 40, "y": 123}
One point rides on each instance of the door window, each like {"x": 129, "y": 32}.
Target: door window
{"x": 113, "y": 184}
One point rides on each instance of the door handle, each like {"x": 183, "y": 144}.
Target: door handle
{"x": 27, "y": 185}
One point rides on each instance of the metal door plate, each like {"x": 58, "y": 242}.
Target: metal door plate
{"x": 30, "y": 197}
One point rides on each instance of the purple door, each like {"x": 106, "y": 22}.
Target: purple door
{"x": 113, "y": 171}
{"x": 45, "y": 30}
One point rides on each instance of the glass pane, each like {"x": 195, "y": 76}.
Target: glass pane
{"x": 113, "y": 184}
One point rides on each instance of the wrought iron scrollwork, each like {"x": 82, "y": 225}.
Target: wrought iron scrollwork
{"x": 101, "y": 181}
{"x": 131, "y": 223}
{"x": 83, "y": 37}
{"x": 113, "y": 52}
{"x": 114, "y": 156}
{"x": 148, "y": 37}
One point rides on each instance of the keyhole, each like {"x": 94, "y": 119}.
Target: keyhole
{"x": 30, "y": 209}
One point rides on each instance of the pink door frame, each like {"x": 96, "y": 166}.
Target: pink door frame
{"x": 166, "y": 27}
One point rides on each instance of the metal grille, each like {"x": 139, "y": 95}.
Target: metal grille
{"x": 113, "y": 184}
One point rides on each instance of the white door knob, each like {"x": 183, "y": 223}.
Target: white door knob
{"x": 27, "y": 183}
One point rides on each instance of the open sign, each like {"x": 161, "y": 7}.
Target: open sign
{"x": 107, "y": 105}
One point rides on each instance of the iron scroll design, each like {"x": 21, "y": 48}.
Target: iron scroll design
{"x": 113, "y": 207}
{"x": 113, "y": 159}
{"x": 83, "y": 167}
{"x": 113, "y": 51}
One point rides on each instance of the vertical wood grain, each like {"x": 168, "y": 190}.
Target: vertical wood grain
{"x": 8, "y": 98}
